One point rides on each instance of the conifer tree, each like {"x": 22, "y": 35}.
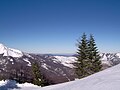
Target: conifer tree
{"x": 94, "y": 57}
{"x": 82, "y": 57}
{"x": 88, "y": 58}
{"x": 38, "y": 78}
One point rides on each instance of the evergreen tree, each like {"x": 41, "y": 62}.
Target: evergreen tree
{"x": 94, "y": 57}
{"x": 88, "y": 58}
{"x": 82, "y": 58}
{"x": 38, "y": 78}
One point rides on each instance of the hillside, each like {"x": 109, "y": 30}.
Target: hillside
{"x": 55, "y": 68}
{"x": 108, "y": 79}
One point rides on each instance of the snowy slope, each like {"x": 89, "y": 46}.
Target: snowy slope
{"x": 9, "y": 51}
{"x": 108, "y": 79}
{"x": 65, "y": 60}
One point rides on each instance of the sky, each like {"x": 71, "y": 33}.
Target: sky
{"x": 53, "y": 26}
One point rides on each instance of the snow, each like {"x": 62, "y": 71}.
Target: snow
{"x": 66, "y": 61}
{"x": 12, "y": 85}
{"x": 118, "y": 54}
{"x": 9, "y": 51}
{"x": 103, "y": 55}
{"x": 27, "y": 85}
{"x": 109, "y": 58}
{"x": 104, "y": 59}
{"x": 12, "y": 61}
{"x": 44, "y": 66}
{"x": 26, "y": 60}
{"x": 108, "y": 79}
{"x": 28, "y": 55}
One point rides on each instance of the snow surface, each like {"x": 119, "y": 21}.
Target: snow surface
{"x": 26, "y": 60}
{"x": 118, "y": 54}
{"x": 44, "y": 65}
{"x": 12, "y": 85}
{"x": 103, "y": 56}
{"x": 9, "y": 51}
{"x": 108, "y": 79}
{"x": 12, "y": 61}
{"x": 104, "y": 59}
{"x": 66, "y": 61}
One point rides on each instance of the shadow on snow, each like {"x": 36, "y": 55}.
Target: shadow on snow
{"x": 9, "y": 85}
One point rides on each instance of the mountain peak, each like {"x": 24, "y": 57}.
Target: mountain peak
{"x": 9, "y": 51}
{"x": 118, "y": 54}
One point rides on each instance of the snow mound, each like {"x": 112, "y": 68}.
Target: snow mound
{"x": 12, "y": 85}
{"x": 27, "y": 85}
{"x": 9, "y": 51}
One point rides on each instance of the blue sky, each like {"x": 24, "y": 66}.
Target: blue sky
{"x": 53, "y": 26}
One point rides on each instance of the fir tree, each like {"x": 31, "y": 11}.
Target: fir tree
{"x": 88, "y": 58}
{"x": 38, "y": 78}
{"x": 82, "y": 58}
{"x": 94, "y": 57}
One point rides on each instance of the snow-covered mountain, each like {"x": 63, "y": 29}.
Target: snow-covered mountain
{"x": 9, "y": 51}
{"x": 55, "y": 68}
{"x": 110, "y": 59}
{"x": 12, "y": 61}
{"x": 65, "y": 60}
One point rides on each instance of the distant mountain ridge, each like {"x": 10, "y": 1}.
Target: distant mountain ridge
{"x": 110, "y": 58}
